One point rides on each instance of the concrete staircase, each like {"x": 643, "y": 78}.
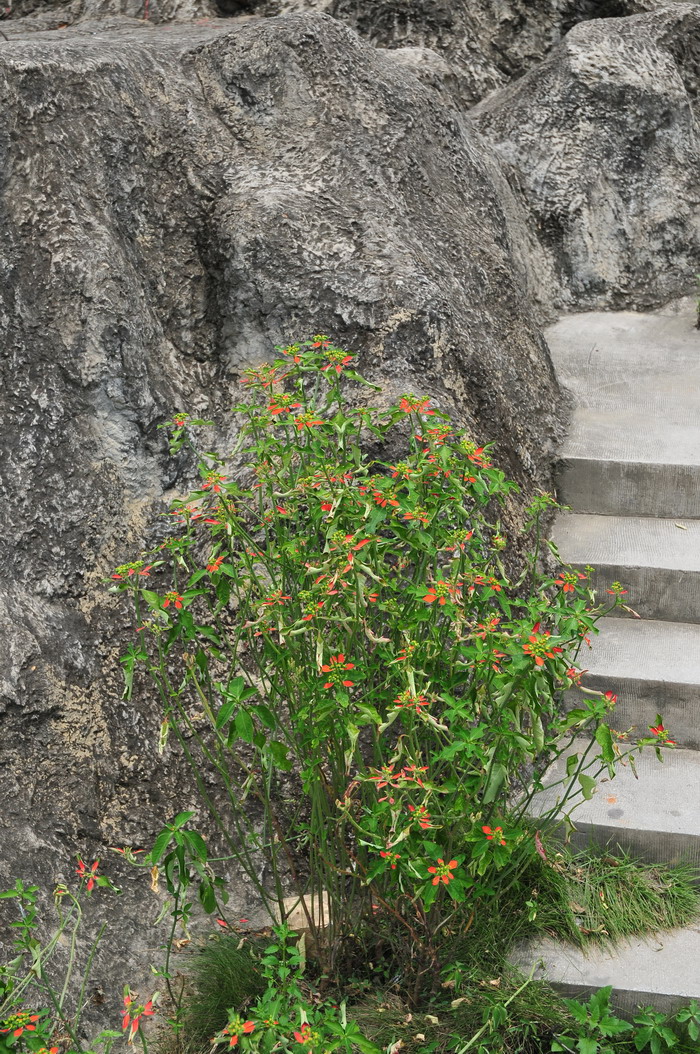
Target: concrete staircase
{"x": 630, "y": 469}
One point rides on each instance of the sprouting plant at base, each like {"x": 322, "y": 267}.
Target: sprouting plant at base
{"x": 337, "y": 640}
{"x": 37, "y": 1001}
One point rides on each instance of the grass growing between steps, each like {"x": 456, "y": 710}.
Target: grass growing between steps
{"x": 588, "y": 897}
{"x": 482, "y": 1002}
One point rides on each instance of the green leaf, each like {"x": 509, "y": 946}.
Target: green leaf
{"x": 588, "y": 785}
{"x": 225, "y": 713}
{"x": 571, "y": 763}
{"x": 197, "y": 844}
{"x": 159, "y": 846}
{"x": 265, "y": 715}
{"x": 587, "y": 1046}
{"x": 496, "y": 780}
{"x": 181, "y": 819}
{"x": 244, "y": 726}
{"x": 604, "y": 740}
{"x": 278, "y": 752}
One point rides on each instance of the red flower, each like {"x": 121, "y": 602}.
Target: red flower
{"x": 306, "y": 421}
{"x": 443, "y": 872}
{"x": 337, "y": 663}
{"x": 391, "y": 856}
{"x": 610, "y": 696}
{"x": 275, "y": 598}
{"x": 21, "y": 1022}
{"x": 441, "y": 592}
{"x": 306, "y": 1035}
{"x": 336, "y": 362}
{"x": 132, "y": 1015}
{"x": 82, "y": 872}
{"x": 172, "y": 598}
{"x": 326, "y": 506}
{"x": 495, "y": 834}
{"x": 216, "y": 564}
{"x": 128, "y": 570}
{"x": 407, "y": 701}
{"x": 213, "y": 480}
{"x": 568, "y": 580}
{"x": 412, "y": 404}
{"x": 661, "y": 733}
{"x": 282, "y": 404}
{"x": 538, "y": 646}
{"x": 422, "y": 815}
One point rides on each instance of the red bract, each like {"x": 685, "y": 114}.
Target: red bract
{"x": 172, "y": 598}
{"x": 131, "y": 1018}
{"x": 443, "y": 871}
{"x": 129, "y": 570}
{"x": 662, "y": 734}
{"x": 441, "y": 592}
{"x": 421, "y": 815}
{"x": 213, "y": 481}
{"x": 21, "y": 1022}
{"x": 306, "y": 421}
{"x": 610, "y": 696}
{"x": 282, "y": 404}
{"x": 305, "y": 1035}
{"x": 336, "y": 362}
{"x": 495, "y": 834}
{"x": 215, "y": 564}
{"x": 538, "y": 646}
{"x": 337, "y": 663}
{"x": 83, "y": 872}
{"x": 412, "y": 404}
{"x": 391, "y": 856}
{"x": 568, "y": 580}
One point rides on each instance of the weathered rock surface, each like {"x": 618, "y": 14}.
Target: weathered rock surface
{"x": 601, "y": 144}
{"x": 173, "y": 202}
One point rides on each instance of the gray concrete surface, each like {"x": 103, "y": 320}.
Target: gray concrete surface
{"x": 633, "y": 446}
{"x": 654, "y": 668}
{"x": 657, "y": 560}
{"x": 654, "y": 815}
{"x": 663, "y": 970}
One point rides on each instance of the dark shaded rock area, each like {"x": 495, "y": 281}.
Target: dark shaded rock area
{"x": 174, "y": 201}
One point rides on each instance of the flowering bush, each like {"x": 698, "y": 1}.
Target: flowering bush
{"x": 339, "y": 642}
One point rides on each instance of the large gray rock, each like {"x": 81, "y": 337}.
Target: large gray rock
{"x": 601, "y": 144}
{"x": 173, "y": 203}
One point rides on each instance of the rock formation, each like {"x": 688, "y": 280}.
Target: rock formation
{"x": 601, "y": 143}
{"x": 175, "y": 201}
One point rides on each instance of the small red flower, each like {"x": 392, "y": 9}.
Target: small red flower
{"x": 336, "y": 362}
{"x": 391, "y": 856}
{"x": 412, "y": 404}
{"x": 131, "y": 1018}
{"x": 610, "y": 696}
{"x": 538, "y": 646}
{"x": 213, "y": 481}
{"x": 494, "y": 835}
{"x": 83, "y": 872}
{"x": 443, "y": 871}
{"x": 214, "y": 566}
{"x": 337, "y": 663}
{"x": 327, "y": 506}
{"x": 662, "y": 734}
{"x": 421, "y": 815}
{"x": 21, "y": 1022}
{"x": 568, "y": 580}
{"x": 172, "y": 598}
{"x": 129, "y": 570}
{"x": 441, "y": 592}
{"x": 306, "y": 421}
{"x": 305, "y": 1035}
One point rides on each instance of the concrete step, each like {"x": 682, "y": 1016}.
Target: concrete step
{"x": 656, "y": 560}
{"x": 653, "y": 668}
{"x": 662, "y": 971}
{"x": 627, "y": 463}
{"x": 634, "y": 439}
{"x": 656, "y": 816}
